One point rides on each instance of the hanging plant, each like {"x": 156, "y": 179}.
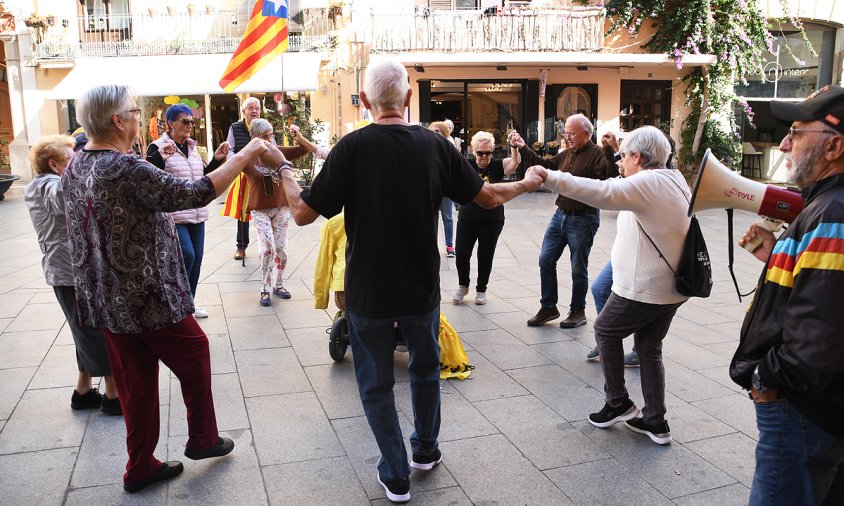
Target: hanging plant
{"x": 734, "y": 31}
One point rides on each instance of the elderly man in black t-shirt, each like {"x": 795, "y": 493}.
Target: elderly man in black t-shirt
{"x": 390, "y": 178}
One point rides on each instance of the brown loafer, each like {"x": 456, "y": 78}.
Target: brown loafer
{"x": 240, "y": 254}
{"x": 167, "y": 471}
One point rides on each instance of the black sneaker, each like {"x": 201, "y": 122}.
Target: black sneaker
{"x": 426, "y": 462}
{"x": 224, "y": 446}
{"x": 111, "y": 406}
{"x": 659, "y": 433}
{"x": 609, "y": 416}
{"x": 92, "y": 399}
{"x": 396, "y": 490}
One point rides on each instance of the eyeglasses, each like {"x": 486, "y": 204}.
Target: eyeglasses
{"x": 188, "y": 121}
{"x": 570, "y": 134}
{"x": 794, "y": 130}
{"x": 622, "y": 154}
{"x": 133, "y": 111}
{"x": 253, "y": 108}
{"x": 480, "y": 154}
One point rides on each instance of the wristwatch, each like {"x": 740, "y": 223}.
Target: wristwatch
{"x": 756, "y": 381}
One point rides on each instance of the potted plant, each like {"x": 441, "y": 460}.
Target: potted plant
{"x": 209, "y": 9}
{"x": 171, "y": 11}
{"x": 152, "y": 11}
{"x": 191, "y": 9}
{"x": 35, "y": 21}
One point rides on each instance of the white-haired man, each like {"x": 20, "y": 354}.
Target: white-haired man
{"x": 574, "y": 224}
{"x": 389, "y": 178}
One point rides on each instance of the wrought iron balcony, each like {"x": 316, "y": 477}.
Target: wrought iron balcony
{"x": 152, "y": 33}
{"x": 506, "y": 30}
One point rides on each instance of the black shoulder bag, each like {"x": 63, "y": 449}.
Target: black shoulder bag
{"x": 694, "y": 274}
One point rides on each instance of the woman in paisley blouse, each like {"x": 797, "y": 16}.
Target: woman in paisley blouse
{"x": 130, "y": 277}
{"x": 478, "y": 225}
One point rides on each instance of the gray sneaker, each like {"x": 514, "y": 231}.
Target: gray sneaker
{"x": 461, "y": 292}
{"x": 593, "y": 355}
{"x": 631, "y": 359}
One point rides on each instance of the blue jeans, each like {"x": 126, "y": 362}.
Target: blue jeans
{"x": 797, "y": 463}
{"x": 602, "y": 287}
{"x": 575, "y": 231}
{"x": 192, "y": 241}
{"x": 373, "y": 341}
{"x": 446, "y": 209}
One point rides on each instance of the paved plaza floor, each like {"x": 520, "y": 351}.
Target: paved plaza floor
{"x": 514, "y": 433}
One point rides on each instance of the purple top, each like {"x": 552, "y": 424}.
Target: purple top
{"x": 127, "y": 263}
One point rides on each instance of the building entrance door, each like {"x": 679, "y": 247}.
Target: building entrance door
{"x": 564, "y": 100}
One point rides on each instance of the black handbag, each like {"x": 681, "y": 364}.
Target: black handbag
{"x": 694, "y": 274}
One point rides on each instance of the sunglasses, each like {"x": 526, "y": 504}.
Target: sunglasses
{"x": 188, "y": 122}
{"x": 480, "y": 154}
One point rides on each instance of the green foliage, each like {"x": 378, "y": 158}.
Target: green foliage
{"x": 300, "y": 115}
{"x": 734, "y": 31}
{"x": 4, "y": 153}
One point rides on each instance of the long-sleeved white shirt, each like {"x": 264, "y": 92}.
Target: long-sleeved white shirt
{"x": 652, "y": 197}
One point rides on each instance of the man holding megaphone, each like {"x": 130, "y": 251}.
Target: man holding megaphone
{"x": 791, "y": 352}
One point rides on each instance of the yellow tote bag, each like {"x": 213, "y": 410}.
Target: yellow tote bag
{"x": 453, "y": 360}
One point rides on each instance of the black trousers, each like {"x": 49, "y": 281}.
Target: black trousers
{"x": 242, "y": 234}
{"x": 485, "y": 233}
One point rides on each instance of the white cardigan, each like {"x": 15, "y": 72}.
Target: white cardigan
{"x": 652, "y": 197}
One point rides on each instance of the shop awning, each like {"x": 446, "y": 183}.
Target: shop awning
{"x": 153, "y": 76}
{"x": 526, "y": 59}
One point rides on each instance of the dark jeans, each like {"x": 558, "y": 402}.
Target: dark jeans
{"x": 192, "y": 241}
{"x": 797, "y": 463}
{"x": 91, "y": 349}
{"x": 242, "y": 234}
{"x": 373, "y": 342}
{"x": 577, "y": 232}
{"x": 485, "y": 233}
{"x": 649, "y": 324}
{"x": 446, "y": 212}
{"x": 602, "y": 288}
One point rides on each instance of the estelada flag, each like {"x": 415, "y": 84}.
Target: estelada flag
{"x": 264, "y": 39}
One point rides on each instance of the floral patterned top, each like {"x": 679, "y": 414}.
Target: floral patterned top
{"x": 127, "y": 264}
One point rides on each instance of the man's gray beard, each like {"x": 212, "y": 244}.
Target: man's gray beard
{"x": 800, "y": 173}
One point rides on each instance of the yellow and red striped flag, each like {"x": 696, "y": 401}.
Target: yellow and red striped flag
{"x": 264, "y": 39}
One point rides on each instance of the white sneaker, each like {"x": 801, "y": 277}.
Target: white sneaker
{"x": 480, "y": 298}
{"x": 199, "y": 312}
{"x": 461, "y": 292}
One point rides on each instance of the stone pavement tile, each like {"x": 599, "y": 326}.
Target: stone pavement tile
{"x": 699, "y": 313}
{"x": 325, "y": 481}
{"x": 311, "y": 346}
{"x": 508, "y": 289}
{"x": 494, "y": 305}
{"x": 486, "y": 381}
{"x": 237, "y": 304}
{"x": 515, "y": 324}
{"x": 722, "y": 376}
{"x": 234, "y": 479}
{"x": 222, "y": 357}
{"x": 734, "y": 410}
{"x": 25, "y": 349}
{"x": 164, "y": 376}
{"x": 503, "y": 350}
{"x": 463, "y": 319}
{"x": 13, "y": 382}
{"x": 270, "y": 372}
{"x": 672, "y": 469}
{"x": 528, "y": 305}
{"x": 571, "y": 356}
{"x": 297, "y": 314}
{"x": 726, "y": 350}
{"x": 692, "y": 356}
{"x": 12, "y": 304}
{"x": 36, "y": 478}
{"x": 459, "y": 417}
{"x": 256, "y": 332}
{"x": 689, "y": 423}
{"x": 114, "y": 494}
{"x": 491, "y": 470}
{"x": 102, "y": 455}
{"x": 58, "y": 369}
{"x": 216, "y": 321}
{"x": 543, "y": 436}
{"x": 43, "y": 420}
{"x": 207, "y": 294}
{"x": 566, "y": 394}
{"x": 38, "y": 317}
{"x": 228, "y": 405}
{"x": 43, "y": 297}
{"x": 363, "y": 454}
{"x": 689, "y": 385}
{"x": 731, "y": 495}
{"x": 606, "y": 482}
{"x": 699, "y": 334}
{"x": 236, "y": 287}
{"x": 735, "y": 454}
{"x": 291, "y": 428}
{"x": 451, "y": 496}
{"x": 4, "y": 323}
{"x": 65, "y": 337}
{"x": 336, "y": 389}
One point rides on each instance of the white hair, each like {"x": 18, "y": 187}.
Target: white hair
{"x": 259, "y": 126}
{"x": 250, "y": 100}
{"x": 95, "y": 108}
{"x": 449, "y": 123}
{"x": 651, "y": 144}
{"x": 583, "y": 121}
{"x": 480, "y": 137}
{"x": 385, "y": 84}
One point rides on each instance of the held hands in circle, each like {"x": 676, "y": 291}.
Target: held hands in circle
{"x": 534, "y": 177}
{"x": 609, "y": 139}
{"x": 516, "y": 139}
{"x": 222, "y": 151}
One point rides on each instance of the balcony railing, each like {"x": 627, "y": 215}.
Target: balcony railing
{"x": 507, "y": 30}
{"x": 160, "y": 34}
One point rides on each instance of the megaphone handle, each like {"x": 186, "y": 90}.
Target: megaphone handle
{"x": 768, "y": 224}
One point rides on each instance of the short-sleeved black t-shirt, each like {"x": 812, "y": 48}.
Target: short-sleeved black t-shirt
{"x": 494, "y": 173}
{"x": 390, "y": 179}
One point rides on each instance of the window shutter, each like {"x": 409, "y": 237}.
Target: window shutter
{"x": 440, "y": 4}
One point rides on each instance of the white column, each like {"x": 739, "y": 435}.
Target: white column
{"x": 209, "y": 128}
{"x": 25, "y": 102}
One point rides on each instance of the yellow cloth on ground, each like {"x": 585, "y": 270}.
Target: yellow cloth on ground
{"x": 453, "y": 360}
{"x": 331, "y": 260}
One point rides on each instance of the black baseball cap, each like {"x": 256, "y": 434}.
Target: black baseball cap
{"x": 826, "y": 104}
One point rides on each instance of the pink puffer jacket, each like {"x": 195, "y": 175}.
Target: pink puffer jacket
{"x": 190, "y": 168}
